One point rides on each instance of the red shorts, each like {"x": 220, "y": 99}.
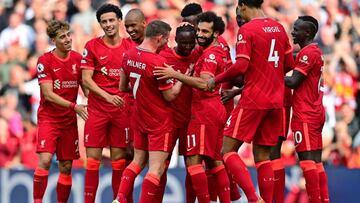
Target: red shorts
{"x": 130, "y": 110}
{"x": 181, "y": 134}
{"x": 286, "y": 121}
{"x": 204, "y": 140}
{"x": 229, "y": 107}
{"x": 262, "y": 127}
{"x": 104, "y": 129}
{"x": 153, "y": 142}
{"x": 62, "y": 140}
{"x": 307, "y": 136}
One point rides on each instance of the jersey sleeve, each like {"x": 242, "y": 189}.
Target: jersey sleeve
{"x": 163, "y": 84}
{"x": 305, "y": 62}
{"x": 243, "y": 46}
{"x": 87, "y": 61}
{"x": 43, "y": 70}
{"x": 123, "y": 67}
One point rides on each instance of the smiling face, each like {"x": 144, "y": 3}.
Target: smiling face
{"x": 205, "y": 34}
{"x": 300, "y": 32}
{"x": 185, "y": 43}
{"x": 63, "y": 40}
{"x": 135, "y": 27}
{"x": 110, "y": 24}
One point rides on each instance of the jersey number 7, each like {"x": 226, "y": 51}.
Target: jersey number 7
{"x": 137, "y": 81}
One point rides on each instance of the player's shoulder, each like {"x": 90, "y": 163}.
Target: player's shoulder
{"x": 75, "y": 54}
{"x": 216, "y": 50}
{"x": 312, "y": 50}
{"x": 130, "y": 51}
{"x": 223, "y": 41}
{"x": 213, "y": 54}
{"x": 128, "y": 42}
{"x": 93, "y": 42}
{"x": 166, "y": 52}
{"x": 46, "y": 57}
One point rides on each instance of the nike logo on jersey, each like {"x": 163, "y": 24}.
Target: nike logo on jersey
{"x": 56, "y": 69}
{"x": 103, "y": 57}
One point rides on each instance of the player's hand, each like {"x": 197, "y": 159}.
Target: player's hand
{"x": 81, "y": 110}
{"x": 190, "y": 70}
{"x": 227, "y": 95}
{"x": 164, "y": 72}
{"x": 115, "y": 100}
{"x": 211, "y": 84}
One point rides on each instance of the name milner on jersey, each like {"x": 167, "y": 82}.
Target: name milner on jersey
{"x": 136, "y": 64}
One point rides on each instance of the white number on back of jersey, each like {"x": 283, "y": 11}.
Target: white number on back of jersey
{"x": 273, "y": 55}
{"x": 137, "y": 81}
{"x": 191, "y": 141}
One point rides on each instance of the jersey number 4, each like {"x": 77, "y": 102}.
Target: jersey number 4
{"x": 273, "y": 54}
{"x": 137, "y": 81}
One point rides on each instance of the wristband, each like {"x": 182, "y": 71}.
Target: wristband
{"x": 72, "y": 105}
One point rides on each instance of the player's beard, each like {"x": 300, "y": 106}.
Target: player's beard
{"x": 207, "y": 42}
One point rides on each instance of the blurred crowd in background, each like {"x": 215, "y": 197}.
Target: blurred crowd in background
{"x": 23, "y": 39}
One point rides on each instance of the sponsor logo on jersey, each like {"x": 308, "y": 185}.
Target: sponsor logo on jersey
{"x": 211, "y": 59}
{"x": 57, "y": 84}
{"x": 65, "y": 84}
{"x": 104, "y": 70}
{"x": 240, "y": 39}
{"x": 212, "y": 56}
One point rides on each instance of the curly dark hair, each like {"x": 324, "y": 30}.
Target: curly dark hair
{"x": 218, "y": 23}
{"x": 107, "y": 8}
{"x": 191, "y": 9}
{"x": 251, "y": 3}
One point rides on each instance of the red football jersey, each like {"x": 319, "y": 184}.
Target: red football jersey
{"x": 152, "y": 112}
{"x": 206, "y": 107}
{"x": 65, "y": 75}
{"x": 226, "y": 49}
{"x": 264, "y": 43}
{"x": 182, "y": 104}
{"x": 130, "y": 95}
{"x": 307, "y": 97}
{"x": 106, "y": 62}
